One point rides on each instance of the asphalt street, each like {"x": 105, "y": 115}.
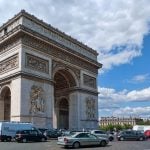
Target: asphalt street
{"x": 52, "y": 145}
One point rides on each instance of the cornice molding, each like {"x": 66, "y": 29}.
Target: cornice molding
{"x": 25, "y": 75}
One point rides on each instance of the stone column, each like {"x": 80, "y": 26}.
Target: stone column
{"x": 16, "y": 99}
{"x": 74, "y": 111}
{"x": 1, "y": 109}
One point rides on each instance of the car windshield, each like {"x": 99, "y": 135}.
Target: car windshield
{"x": 73, "y": 134}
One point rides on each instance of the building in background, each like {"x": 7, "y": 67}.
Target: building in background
{"x": 46, "y": 77}
{"x": 104, "y": 121}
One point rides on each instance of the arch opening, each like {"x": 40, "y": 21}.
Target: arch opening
{"x": 5, "y": 104}
{"x": 63, "y": 122}
{"x": 63, "y": 82}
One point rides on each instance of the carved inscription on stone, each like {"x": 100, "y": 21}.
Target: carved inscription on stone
{"x": 9, "y": 64}
{"x": 37, "y": 101}
{"x": 89, "y": 81}
{"x": 37, "y": 63}
{"x": 90, "y": 108}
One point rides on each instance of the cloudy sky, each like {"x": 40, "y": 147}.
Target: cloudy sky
{"x": 118, "y": 30}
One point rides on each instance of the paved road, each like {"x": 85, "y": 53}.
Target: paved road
{"x": 52, "y": 145}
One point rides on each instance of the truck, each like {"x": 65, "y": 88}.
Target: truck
{"x": 8, "y": 129}
{"x": 141, "y": 127}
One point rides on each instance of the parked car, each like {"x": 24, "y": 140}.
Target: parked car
{"x": 131, "y": 135}
{"x": 30, "y": 135}
{"x": 147, "y": 133}
{"x": 52, "y": 133}
{"x": 102, "y": 133}
{"x": 71, "y": 132}
{"x": 79, "y": 139}
{"x": 42, "y": 130}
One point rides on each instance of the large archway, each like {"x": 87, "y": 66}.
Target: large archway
{"x": 63, "y": 121}
{"x": 64, "y": 81}
{"x": 5, "y": 104}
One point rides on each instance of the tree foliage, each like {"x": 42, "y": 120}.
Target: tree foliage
{"x": 142, "y": 122}
{"x": 117, "y": 127}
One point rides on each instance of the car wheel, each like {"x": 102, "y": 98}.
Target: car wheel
{"x": 8, "y": 139}
{"x": 121, "y": 138}
{"x": 111, "y": 138}
{"x": 43, "y": 139}
{"x": 141, "y": 139}
{"x": 76, "y": 145}
{"x": 103, "y": 143}
{"x": 66, "y": 146}
{"x": 4, "y": 140}
{"x": 24, "y": 140}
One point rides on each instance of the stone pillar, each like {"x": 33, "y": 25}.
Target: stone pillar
{"x": 16, "y": 99}
{"x": 88, "y": 109}
{"x": 55, "y": 112}
{"x": 74, "y": 111}
{"x": 1, "y": 109}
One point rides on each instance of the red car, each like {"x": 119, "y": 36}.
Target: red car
{"x": 147, "y": 133}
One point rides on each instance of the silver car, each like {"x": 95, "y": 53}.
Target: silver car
{"x": 79, "y": 139}
{"x": 101, "y": 133}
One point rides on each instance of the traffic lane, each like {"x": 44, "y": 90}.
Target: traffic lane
{"x": 52, "y": 145}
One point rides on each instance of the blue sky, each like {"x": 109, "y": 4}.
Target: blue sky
{"x": 119, "y": 31}
{"x": 134, "y": 76}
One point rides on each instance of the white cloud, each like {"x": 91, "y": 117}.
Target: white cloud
{"x": 139, "y": 95}
{"x": 109, "y": 60}
{"x": 112, "y": 101}
{"x": 108, "y": 95}
{"x": 115, "y": 28}
{"x": 140, "y": 78}
{"x": 136, "y": 111}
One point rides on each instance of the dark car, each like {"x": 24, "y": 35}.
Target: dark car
{"x": 52, "y": 133}
{"x": 42, "y": 130}
{"x": 131, "y": 135}
{"x": 29, "y": 135}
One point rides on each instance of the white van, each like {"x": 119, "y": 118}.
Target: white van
{"x": 8, "y": 129}
{"x": 141, "y": 127}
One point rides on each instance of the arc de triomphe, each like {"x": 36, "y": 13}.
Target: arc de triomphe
{"x": 46, "y": 77}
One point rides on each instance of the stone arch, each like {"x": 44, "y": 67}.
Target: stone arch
{"x": 68, "y": 71}
{"x": 5, "y": 103}
{"x": 64, "y": 81}
{"x": 63, "y": 113}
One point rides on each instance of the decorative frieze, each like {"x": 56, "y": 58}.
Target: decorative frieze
{"x": 9, "y": 64}
{"x": 89, "y": 81}
{"x": 37, "y": 63}
{"x": 90, "y": 108}
{"x": 9, "y": 45}
{"x": 56, "y": 52}
{"x": 62, "y": 39}
{"x": 37, "y": 101}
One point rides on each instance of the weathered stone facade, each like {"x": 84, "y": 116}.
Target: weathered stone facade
{"x": 46, "y": 77}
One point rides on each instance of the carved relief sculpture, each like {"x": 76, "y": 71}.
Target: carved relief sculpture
{"x": 37, "y": 63}
{"x": 90, "y": 108}
{"x": 37, "y": 100}
{"x": 89, "y": 81}
{"x": 9, "y": 64}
